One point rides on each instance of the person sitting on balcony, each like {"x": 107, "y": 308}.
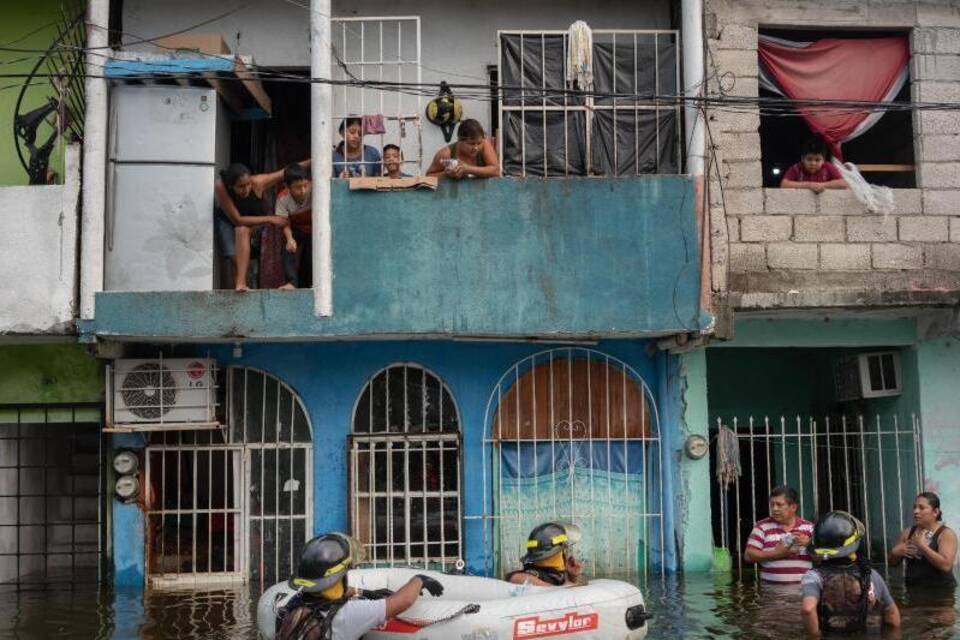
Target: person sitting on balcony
{"x": 471, "y": 156}
{"x": 240, "y": 212}
{"x": 814, "y": 171}
{"x": 295, "y": 205}
{"x": 352, "y": 158}
{"x": 393, "y": 162}
{"x": 549, "y": 561}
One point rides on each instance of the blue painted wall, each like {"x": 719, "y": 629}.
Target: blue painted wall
{"x": 329, "y": 377}
{"x": 510, "y": 257}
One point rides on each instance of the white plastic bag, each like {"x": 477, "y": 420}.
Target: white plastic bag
{"x": 875, "y": 198}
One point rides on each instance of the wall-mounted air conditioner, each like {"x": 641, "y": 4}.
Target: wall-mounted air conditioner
{"x": 163, "y": 393}
{"x": 868, "y": 375}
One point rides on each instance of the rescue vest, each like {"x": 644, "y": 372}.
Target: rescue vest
{"x": 844, "y": 596}
{"x": 314, "y": 624}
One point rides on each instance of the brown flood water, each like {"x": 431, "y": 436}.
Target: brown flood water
{"x": 691, "y": 607}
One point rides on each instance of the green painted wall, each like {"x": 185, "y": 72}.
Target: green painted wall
{"x": 771, "y": 379}
{"x": 18, "y": 19}
{"x": 695, "y": 474}
{"x": 939, "y": 366}
{"x": 50, "y": 373}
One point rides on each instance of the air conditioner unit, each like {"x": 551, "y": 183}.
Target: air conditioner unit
{"x": 163, "y": 392}
{"x": 868, "y": 375}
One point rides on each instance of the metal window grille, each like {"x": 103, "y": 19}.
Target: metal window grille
{"x": 620, "y": 128}
{"x": 405, "y": 505}
{"x": 51, "y": 495}
{"x": 379, "y": 49}
{"x": 232, "y": 504}
{"x": 572, "y": 435}
{"x": 870, "y": 467}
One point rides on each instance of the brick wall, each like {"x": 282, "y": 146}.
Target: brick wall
{"x": 786, "y": 242}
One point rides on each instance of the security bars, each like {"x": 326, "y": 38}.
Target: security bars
{"x": 572, "y": 435}
{"x": 619, "y": 127}
{"x": 379, "y": 49}
{"x": 233, "y": 504}
{"x": 869, "y": 466}
{"x": 405, "y": 503}
{"x": 51, "y": 494}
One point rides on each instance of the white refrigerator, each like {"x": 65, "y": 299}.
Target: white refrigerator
{"x": 165, "y": 145}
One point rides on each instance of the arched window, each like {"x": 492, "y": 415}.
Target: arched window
{"x": 405, "y": 469}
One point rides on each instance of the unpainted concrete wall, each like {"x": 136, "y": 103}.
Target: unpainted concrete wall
{"x": 792, "y": 248}
{"x": 39, "y": 260}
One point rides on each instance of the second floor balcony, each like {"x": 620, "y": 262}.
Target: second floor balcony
{"x": 578, "y": 258}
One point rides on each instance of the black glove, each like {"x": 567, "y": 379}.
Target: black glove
{"x": 377, "y": 594}
{"x": 432, "y": 586}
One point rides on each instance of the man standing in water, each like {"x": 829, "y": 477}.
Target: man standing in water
{"x": 779, "y": 543}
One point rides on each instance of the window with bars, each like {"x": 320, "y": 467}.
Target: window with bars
{"x": 625, "y": 126}
{"x": 405, "y": 469}
{"x": 231, "y": 504}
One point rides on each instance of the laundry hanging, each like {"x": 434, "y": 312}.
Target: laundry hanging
{"x": 847, "y": 69}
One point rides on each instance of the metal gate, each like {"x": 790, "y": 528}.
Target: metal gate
{"x": 869, "y": 466}
{"x": 232, "y": 504}
{"x": 51, "y": 495}
{"x": 573, "y": 435}
{"x": 375, "y": 50}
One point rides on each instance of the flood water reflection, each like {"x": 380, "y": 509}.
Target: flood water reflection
{"x": 693, "y": 607}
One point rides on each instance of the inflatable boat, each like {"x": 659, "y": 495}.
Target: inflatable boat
{"x": 478, "y": 608}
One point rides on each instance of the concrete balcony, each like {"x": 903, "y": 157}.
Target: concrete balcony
{"x": 39, "y": 260}
{"x": 497, "y": 258}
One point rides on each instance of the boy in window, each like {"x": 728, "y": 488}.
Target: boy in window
{"x": 813, "y": 172}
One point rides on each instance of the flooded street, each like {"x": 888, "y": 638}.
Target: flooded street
{"x": 697, "y": 607}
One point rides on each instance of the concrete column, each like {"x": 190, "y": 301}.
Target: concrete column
{"x": 691, "y": 36}
{"x": 94, "y": 157}
{"x": 695, "y": 474}
{"x": 321, "y": 103}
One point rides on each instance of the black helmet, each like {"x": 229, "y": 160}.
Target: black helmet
{"x": 836, "y": 535}
{"x": 548, "y": 539}
{"x": 324, "y": 561}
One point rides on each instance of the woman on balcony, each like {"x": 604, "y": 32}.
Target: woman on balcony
{"x": 471, "y": 156}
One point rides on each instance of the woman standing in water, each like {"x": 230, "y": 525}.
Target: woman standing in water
{"x": 929, "y": 546}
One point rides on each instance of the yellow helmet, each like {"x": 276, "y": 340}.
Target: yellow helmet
{"x": 445, "y": 111}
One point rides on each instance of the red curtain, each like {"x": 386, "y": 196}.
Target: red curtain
{"x": 863, "y": 70}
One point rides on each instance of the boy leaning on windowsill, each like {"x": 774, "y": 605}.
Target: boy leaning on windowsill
{"x": 813, "y": 172}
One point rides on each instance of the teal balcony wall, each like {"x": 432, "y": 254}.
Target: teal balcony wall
{"x": 581, "y": 257}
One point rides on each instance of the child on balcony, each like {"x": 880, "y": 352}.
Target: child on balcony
{"x": 294, "y": 204}
{"x": 814, "y": 171}
{"x": 393, "y": 162}
{"x": 352, "y": 158}
{"x": 471, "y": 156}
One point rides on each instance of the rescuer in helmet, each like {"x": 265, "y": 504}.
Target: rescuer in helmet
{"x": 325, "y": 609}
{"x": 549, "y": 561}
{"x": 843, "y": 594}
